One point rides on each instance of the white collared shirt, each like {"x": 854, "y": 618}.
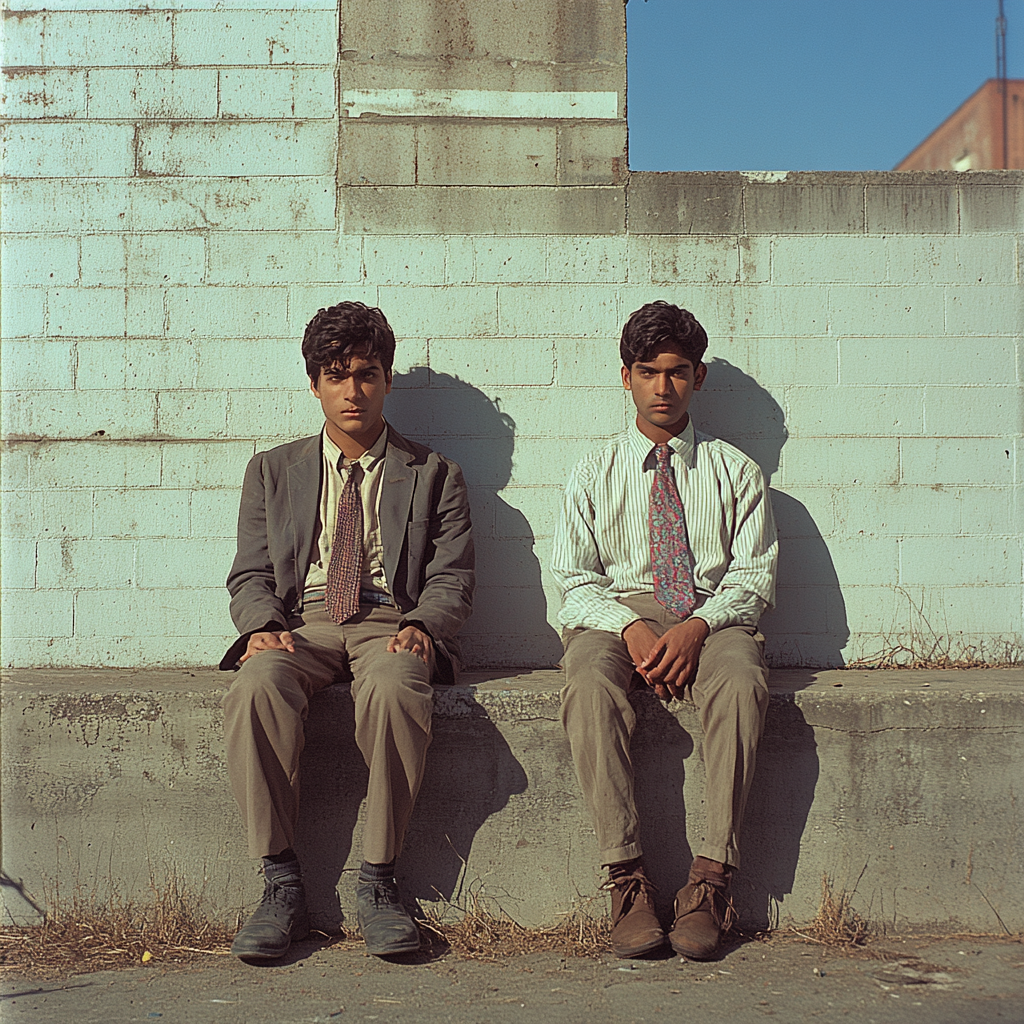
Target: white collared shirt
{"x": 372, "y": 464}
{"x": 602, "y": 547}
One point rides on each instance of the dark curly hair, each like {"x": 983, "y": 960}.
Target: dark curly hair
{"x": 348, "y": 329}
{"x": 657, "y": 324}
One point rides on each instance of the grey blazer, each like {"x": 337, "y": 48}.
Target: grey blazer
{"x": 425, "y": 532}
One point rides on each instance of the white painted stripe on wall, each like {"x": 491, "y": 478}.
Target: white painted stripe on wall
{"x": 479, "y": 103}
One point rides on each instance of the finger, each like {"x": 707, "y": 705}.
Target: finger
{"x": 655, "y": 653}
{"x": 287, "y": 642}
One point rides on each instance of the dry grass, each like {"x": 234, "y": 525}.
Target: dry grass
{"x": 836, "y": 924}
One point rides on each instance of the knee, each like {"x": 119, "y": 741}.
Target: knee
{"x": 399, "y": 681}
{"x": 592, "y": 695}
{"x": 258, "y": 688}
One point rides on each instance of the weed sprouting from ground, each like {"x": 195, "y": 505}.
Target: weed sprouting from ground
{"x": 836, "y": 924}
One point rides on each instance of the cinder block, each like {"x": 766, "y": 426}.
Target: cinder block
{"x": 39, "y": 259}
{"x": 79, "y": 414}
{"x": 37, "y": 365}
{"x": 527, "y": 512}
{"x": 856, "y": 560}
{"x": 85, "y": 564}
{"x": 574, "y": 310}
{"x": 277, "y": 92}
{"x": 964, "y": 361}
{"x": 533, "y": 30}
{"x": 685, "y": 204}
{"x": 100, "y": 364}
{"x": 103, "y": 260}
{"x": 804, "y": 511}
{"x": 590, "y": 153}
{"x": 157, "y": 365}
{"x": 842, "y": 461}
{"x": 192, "y": 414}
{"x": 141, "y": 613}
{"x": 812, "y": 209}
{"x": 194, "y": 562}
{"x": 460, "y": 259}
{"x": 93, "y": 462}
{"x": 130, "y": 512}
{"x": 638, "y": 255}
{"x": 376, "y": 152}
{"x": 37, "y": 613}
{"x": 23, "y": 38}
{"x": 495, "y": 361}
{"x": 145, "y": 315}
{"x": 987, "y": 310}
{"x": 545, "y": 413}
{"x": 986, "y": 208}
{"x": 446, "y": 310}
{"x": 86, "y": 312}
{"x": 141, "y": 94}
{"x": 841, "y": 258}
{"x": 934, "y": 561}
{"x": 956, "y": 460}
{"x": 51, "y": 94}
{"x": 906, "y": 510}
{"x": 274, "y": 416}
{"x": 18, "y": 556}
{"x": 898, "y": 311}
{"x": 242, "y": 204}
{"x": 68, "y": 150}
{"x": 916, "y": 209}
{"x": 514, "y": 260}
{"x": 986, "y": 510}
{"x": 213, "y": 513}
{"x": 234, "y": 365}
{"x": 593, "y": 210}
{"x": 701, "y": 259}
{"x": 588, "y": 363}
{"x": 305, "y": 300}
{"x": 48, "y": 513}
{"x": 453, "y": 153}
{"x": 234, "y": 148}
{"x": 227, "y": 312}
{"x": 393, "y": 259}
{"x": 279, "y": 257}
{"x": 223, "y": 37}
{"x": 973, "y": 411}
{"x": 64, "y": 206}
{"x": 14, "y": 469}
{"x": 107, "y": 38}
{"x": 952, "y": 259}
{"x": 218, "y": 464}
{"x": 778, "y": 361}
{"x": 592, "y": 259}
{"x": 955, "y": 610}
{"x": 755, "y": 259}
{"x": 814, "y": 412}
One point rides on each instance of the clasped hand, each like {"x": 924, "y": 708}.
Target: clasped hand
{"x": 408, "y": 639}
{"x": 668, "y": 664}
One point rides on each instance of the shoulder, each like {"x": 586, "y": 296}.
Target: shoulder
{"x": 726, "y": 457}
{"x": 419, "y": 457}
{"x": 284, "y": 455}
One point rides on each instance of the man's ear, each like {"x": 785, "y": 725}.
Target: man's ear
{"x": 698, "y": 377}
{"x": 626, "y": 371}
{"x": 313, "y": 387}
{"x": 388, "y": 377}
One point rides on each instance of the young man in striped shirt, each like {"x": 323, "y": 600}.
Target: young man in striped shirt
{"x": 665, "y": 553}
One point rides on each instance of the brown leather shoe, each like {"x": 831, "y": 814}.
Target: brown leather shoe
{"x": 704, "y": 913}
{"x": 635, "y": 927}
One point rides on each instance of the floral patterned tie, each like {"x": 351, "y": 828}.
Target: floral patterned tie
{"x": 345, "y": 567}
{"x": 670, "y": 552}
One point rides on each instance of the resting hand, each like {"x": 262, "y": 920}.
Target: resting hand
{"x": 280, "y": 641}
{"x": 671, "y": 664}
{"x": 412, "y": 639}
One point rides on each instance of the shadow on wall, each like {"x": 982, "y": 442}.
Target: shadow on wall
{"x": 509, "y": 626}
{"x": 808, "y": 627}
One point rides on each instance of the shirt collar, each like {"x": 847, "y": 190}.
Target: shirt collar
{"x": 682, "y": 444}
{"x": 335, "y": 457}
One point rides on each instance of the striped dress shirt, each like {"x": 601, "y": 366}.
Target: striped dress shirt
{"x": 602, "y": 548}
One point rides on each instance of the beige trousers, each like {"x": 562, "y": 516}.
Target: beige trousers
{"x": 731, "y": 692}
{"x": 267, "y": 704}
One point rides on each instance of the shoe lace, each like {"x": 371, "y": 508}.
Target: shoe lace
{"x": 719, "y": 902}
{"x": 277, "y": 895}
{"x": 630, "y": 887}
{"x": 383, "y": 894}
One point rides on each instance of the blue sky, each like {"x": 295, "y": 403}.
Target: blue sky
{"x": 803, "y": 84}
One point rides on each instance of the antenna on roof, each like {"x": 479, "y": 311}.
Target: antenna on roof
{"x": 1001, "y": 74}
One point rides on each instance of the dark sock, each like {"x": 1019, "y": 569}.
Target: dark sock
{"x": 282, "y": 868}
{"x": 376, "y": 872}
{"x": 626, "y": 867}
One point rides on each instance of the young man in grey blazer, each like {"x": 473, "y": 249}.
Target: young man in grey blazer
{"x": 354, "y": 562}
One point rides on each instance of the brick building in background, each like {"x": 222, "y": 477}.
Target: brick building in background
{"x": 971, "y": 138}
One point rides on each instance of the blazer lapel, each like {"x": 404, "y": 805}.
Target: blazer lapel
{"x": 304, "y": 500}
{"x": 395, "y": 501}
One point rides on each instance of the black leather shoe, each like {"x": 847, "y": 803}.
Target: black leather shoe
{"x": 279, "y": 920}
{"x": 386, "y": 925}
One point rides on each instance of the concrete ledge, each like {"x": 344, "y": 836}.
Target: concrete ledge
{"x": 903, "y": 785}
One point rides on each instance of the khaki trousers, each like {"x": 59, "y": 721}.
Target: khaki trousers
{"x": 267, "y": 704}
{"x": 731, "y": 692}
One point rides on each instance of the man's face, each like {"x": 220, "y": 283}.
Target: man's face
{"x": 352, "y": 399}
{"x": 661, "y": 389}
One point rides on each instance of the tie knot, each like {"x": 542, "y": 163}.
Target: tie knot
{"x": 663, "y": 454}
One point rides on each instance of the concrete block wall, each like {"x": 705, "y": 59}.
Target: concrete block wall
{"x": 187, "y": 184}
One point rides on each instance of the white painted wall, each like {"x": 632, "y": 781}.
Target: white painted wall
{"x": 171, "y": 221}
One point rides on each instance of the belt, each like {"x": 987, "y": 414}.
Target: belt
{"x": 377, "y": 597}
